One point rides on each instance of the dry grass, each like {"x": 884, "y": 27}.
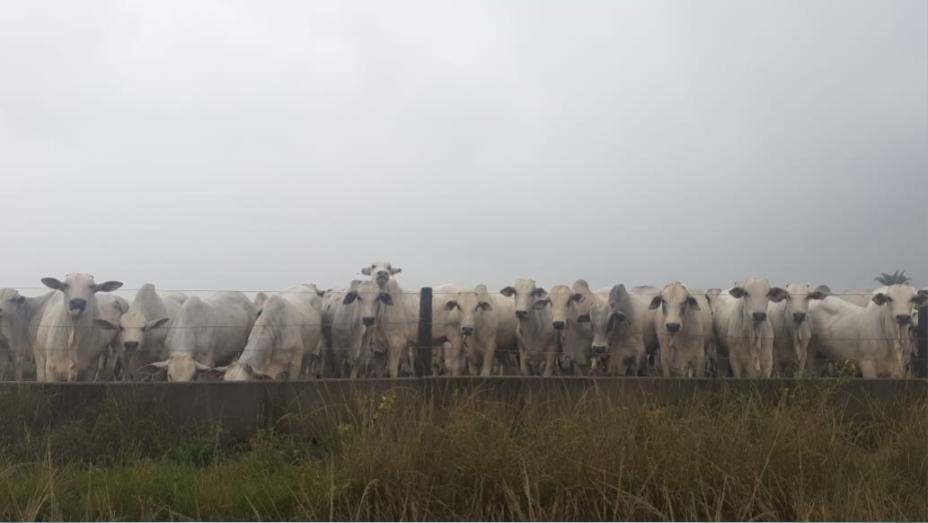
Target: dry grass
{"x": 394, "y": 456}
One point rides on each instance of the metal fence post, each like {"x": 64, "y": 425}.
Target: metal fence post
{"x": 424, "y": 339}
{"x": 921, "y": 363}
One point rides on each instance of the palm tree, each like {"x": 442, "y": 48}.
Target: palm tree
{"x": 894, "y": 278}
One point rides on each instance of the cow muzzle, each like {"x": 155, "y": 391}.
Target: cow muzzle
{"x": 521, "y": 314}
{"x": 673, "y": 328}
{"x": 598, "y": 350}
{"x": 131, "y": 345}
{"x": 467, "y": 330}
{"x": 903, "y": 319}
{"x": 799, "y": 317}
{"x": 382, "y": 277}
{"x": 368, "y": 321}
{"x": 759, "y": 316}
{"x": 558, "y": 325}
{"x": 77, "y": 306}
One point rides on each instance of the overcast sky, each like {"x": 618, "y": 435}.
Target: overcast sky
{"x": 254, "y": 145}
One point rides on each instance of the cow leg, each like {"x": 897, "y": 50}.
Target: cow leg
{"x": 868, "y": 369}
{"x": 665, "y": 361}
{"x": 489, "y": 350}
{"x": 396, "y": 349}
{"x": 735, "y": 363}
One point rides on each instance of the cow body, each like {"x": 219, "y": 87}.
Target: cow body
{"x": 742, "y": 329}
{"x": 208, "y": 332}
{"x": 488, "y": 328}
{"x": 285, "y": 336}
{"x": 537, "y": 339}
{"x": 877, "y": 337}
{"x": 69, "y": 343}
{"x": 683, "y": 325}
{"x": 19, "y": 325}
{"x": 791, "y": 330}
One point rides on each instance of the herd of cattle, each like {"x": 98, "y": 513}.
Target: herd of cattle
{"x": 80, "y": 332}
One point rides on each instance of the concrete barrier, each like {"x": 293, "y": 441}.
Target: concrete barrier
{"x": 245, "y": 406}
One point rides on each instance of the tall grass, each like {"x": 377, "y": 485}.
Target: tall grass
{"x": 803, "y": 456}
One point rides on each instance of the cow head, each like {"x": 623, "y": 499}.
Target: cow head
{"x": 475, "y": 307}
{"x": 10, "y": 302}
{"x": 899, "y": 302}
{"x": 562, "y": 299}
{"x": 798, "y": 296}
{"x": 607, "y": 316}
{"x": 527, "y": 296}
{"x": 366, "y": 296}
{"x": 674, "y": 301}
{"x": 180, "y": 367}
{"x": 133, "y": 328}
{"x": 78, "y": 290}
{"x": 755, "y": 293}
{"x": 380, "y": 272}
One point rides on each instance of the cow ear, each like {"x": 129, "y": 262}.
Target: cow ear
{"x": 105, "y": 324}
{"x": 386, "y": 298}
{"x": 107, "y": 286}
{"x": 539, "y": 292}
{"x": 451, "y": 305}
{"x": 777, "y": 294}
{"x": 366, "y": 271}
{"x": 485, "y": 305}
{"x": 880, "y": 298}
{"x": 737, "y": 292}
{"x": 508, "y": 291}
{"x": 154, "y": 324}
{"x": 818, "y": 293}
{"x": 19, "y": 299}
{"x": 395, "y": 270}
{"x": 691, "y": 301}
{"x": 53, "y": 283}
{"x": 655, "y": 302}
{"x": 583, "y": 318}
{"x": 920, "y": 299}
{"x": 542, "y": 303}
{"x": 577, "y": 297}
{"x": 350, "y": 297}
{"x": 321, "y": 293}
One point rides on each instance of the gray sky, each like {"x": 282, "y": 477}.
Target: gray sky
{"x": 254, "y": 145}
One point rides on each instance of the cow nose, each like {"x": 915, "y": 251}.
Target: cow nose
{"x": 131, "y": 345}
{"x": 903, "y": 319}
{"x": 598, "y": 349}
{"x": 558, "y": 325}
{"x": 467, "y": 331}
{"x": 382, "y": 274}
{"x": 77, "y": 304}
{"x": 521, "y": 314}
{"x": 368, "y": 321}
{"x": 673, "y": 327}
{"x": 799, "y": 316}
{"x": 759, "y": 316}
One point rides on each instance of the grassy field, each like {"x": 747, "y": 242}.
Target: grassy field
{"x": 395, "y": 456}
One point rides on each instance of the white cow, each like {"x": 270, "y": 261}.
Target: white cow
{"x": 348, "y": 321}
{"x": 743, "y": 332}
{"x": 570, "y": 311}
{"x": 446, "y": 328}
{"x": 68, "y": 344}
{"x": 208, "y": 332}
{"x": 622, "y": 329}
{"x": 488, "y": 326}
{"x": 285, "y": 337}
{"x": 791, "y": 330}
{"x": 142, "y": 330}
{"x": 380, "y": 272}
{"x": 877, "y": 337}
{"x": 538, "y": 341}
{"x": 683, "y": 324}
{"x": 19, "y": 325}
{"x": 112, "y": 308}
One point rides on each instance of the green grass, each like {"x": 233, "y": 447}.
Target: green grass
{"x": 395, "y": 456}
